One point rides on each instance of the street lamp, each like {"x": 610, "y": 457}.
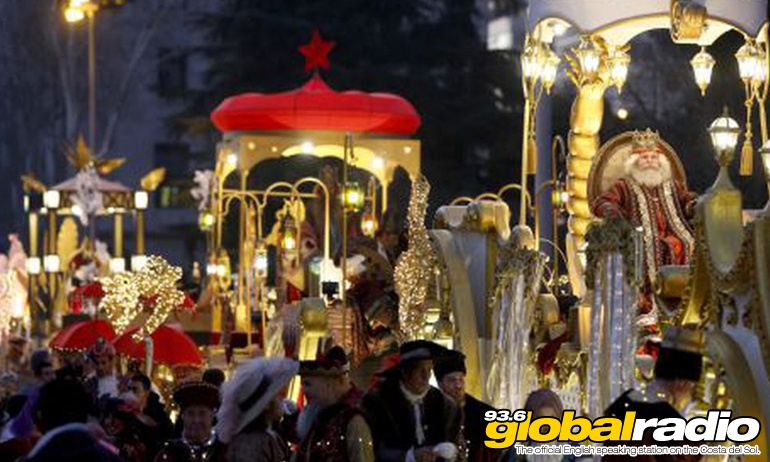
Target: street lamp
{"x": 702, "y": 65}
{"x": 724, "y": 133}
{"x": 749, "y": 62}
{"x": 141, "y": 200}
{"x": 76, "y": 11}
{"x": 589, "y": 56}
{"x": 550, "y": 66}
{"x": 530, "y": 64}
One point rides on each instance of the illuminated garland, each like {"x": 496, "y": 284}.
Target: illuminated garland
{"x": 153, "y": 288}
{"x": 414, "y": 270}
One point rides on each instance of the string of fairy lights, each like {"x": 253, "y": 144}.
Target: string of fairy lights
{"x": 129, "y": 294}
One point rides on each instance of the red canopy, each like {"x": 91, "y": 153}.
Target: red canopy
{"x": 170, "y": 346}
{"x": 81, "y": 335}
{"x": 315, "y": 106}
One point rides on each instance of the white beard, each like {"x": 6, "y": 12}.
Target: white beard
{"x": 650, "y": 177}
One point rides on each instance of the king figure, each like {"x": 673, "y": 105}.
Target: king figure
{"x": 650, "y": 199}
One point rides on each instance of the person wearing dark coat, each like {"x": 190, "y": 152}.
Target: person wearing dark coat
{"x": 450, "y": 374}
{"x": 412, "y": 421}
{"x": 198, "y": 401}
{"x": 677, "y": 371}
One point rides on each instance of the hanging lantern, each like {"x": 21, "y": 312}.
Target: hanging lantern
{"x": 353, "y": 197}
{"x": 261, "y": 261}
{"x": 702, "y": 65}
{"x": 289, "y": 238}
{"x": 206, "y": 221}
{"x": 589, "y": 56}
{"x": 549, "y": 69}
{"x": 619, "y": 62}
{"x": 761, "y": 73}
{"x": 530, "y": 63}
{"x": 369, "y": 224}
{"x": 749, "y": 63}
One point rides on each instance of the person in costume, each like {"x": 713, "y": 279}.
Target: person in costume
{"x": 251, "y": 410}
{"x": 649, "y": 198}
{"x": 198, "y": 401}
{"x": 331, "y": 425}
{"x": 411, "y": 420}
{"x": 105, "y": 381}
{"x": 450, "y": 374}
{"x": 677, "y": 372}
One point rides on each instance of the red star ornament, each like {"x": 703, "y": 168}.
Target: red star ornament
{"x": 316, "y": 52}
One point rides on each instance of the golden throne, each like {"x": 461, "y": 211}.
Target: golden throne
{"x": 608, "y": 167}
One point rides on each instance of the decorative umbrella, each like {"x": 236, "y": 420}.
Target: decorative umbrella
{"x": 170, "y": 346}
{"x": 81, "y": 335}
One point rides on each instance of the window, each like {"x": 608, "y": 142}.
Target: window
{"x": 172, "y": 73}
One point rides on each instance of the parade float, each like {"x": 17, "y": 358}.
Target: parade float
{"x": 528, "y": 309}
{"x": 510, "y": 312}
{"x": 291, "y": 263}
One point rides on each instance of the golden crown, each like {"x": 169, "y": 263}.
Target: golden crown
{"x": 646, "y": 140}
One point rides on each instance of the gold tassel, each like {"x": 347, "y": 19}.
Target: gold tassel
{"x": 532, "y": 157}
{"x": 747, "y": 158}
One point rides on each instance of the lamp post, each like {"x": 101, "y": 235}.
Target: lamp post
{"x": 76, "y": 11}
{"x": 724, "y": 133}
{"x": 539, "y": 67}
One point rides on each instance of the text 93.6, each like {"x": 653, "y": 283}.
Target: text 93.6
{"x": 504, "y": 415}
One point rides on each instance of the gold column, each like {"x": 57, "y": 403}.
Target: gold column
{"x": 242, "y": 311}
{"x": 33, "y": 278}
{"x": 52, "y": 277}
{"x": 140, "y": 250}
{"x": 118, "y": 234}
{"x": 583, "y": 143}
{"x": 348, "y": 147}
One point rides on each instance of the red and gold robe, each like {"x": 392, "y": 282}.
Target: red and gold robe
{"x": 662, "y": 212}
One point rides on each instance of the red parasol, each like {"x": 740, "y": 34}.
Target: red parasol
{"x": 81, "y": 335}
{"x": 170, "y": 346}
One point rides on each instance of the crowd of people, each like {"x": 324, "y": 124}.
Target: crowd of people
{"x": 85, "y": 411}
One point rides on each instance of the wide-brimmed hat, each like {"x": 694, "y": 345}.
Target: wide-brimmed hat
{"x": 246, "y": 396}
{"x": 332, "y": 363}
{"x": 196, "y": 393}
{"x": 452, "y": 361}
{"x": 415, "y": 350}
